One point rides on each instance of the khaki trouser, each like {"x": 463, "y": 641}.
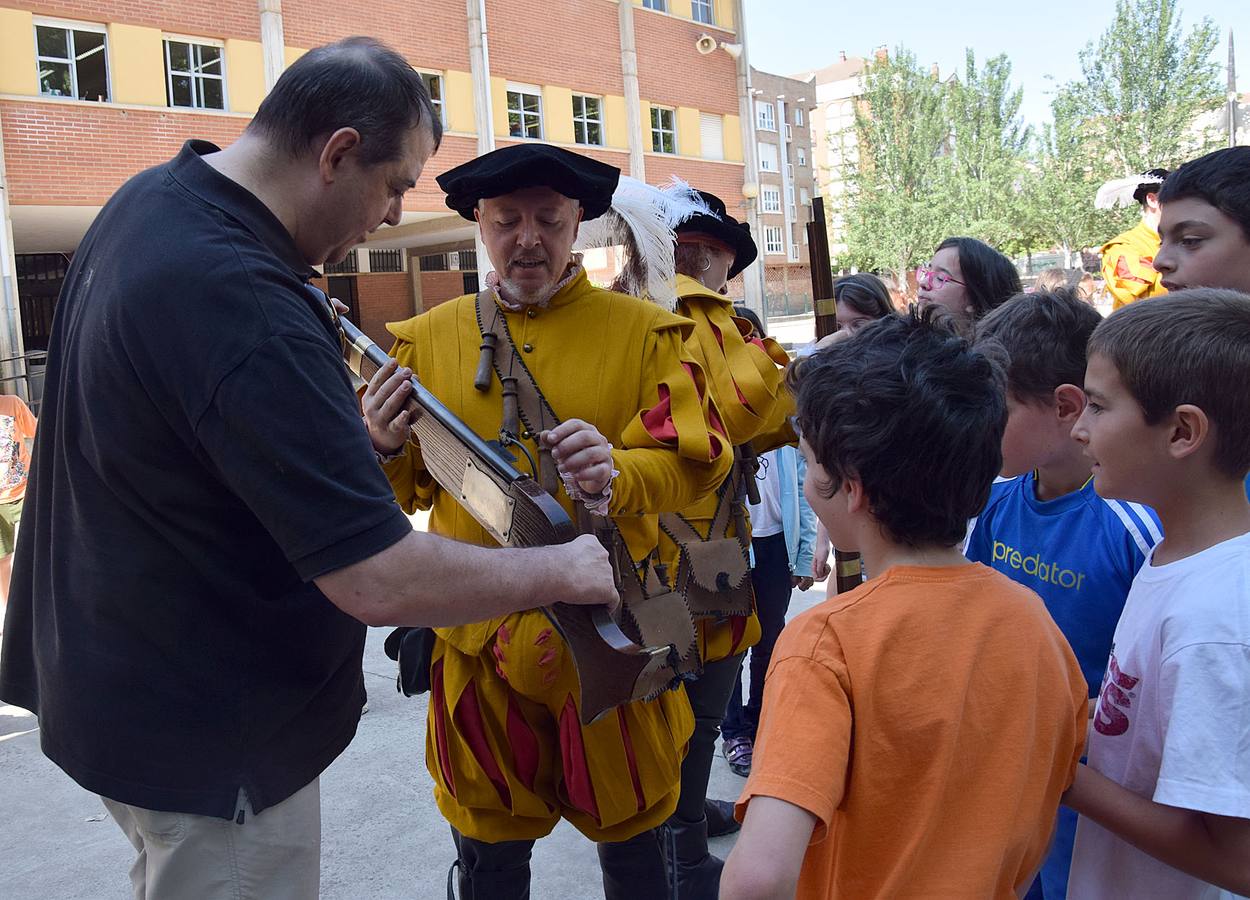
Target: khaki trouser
{"x": 272, "y": 856}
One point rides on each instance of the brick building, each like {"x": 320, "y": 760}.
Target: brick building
{"x": 93, "y": 91}
{"x": 782, "y": 109}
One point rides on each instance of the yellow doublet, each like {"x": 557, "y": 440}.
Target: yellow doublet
{"x": 1128, "y": 266}
{"x": 505, "y": 747}
{"x": 749, "y": 393}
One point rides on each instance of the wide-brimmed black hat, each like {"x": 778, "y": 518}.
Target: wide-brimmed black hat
{"x": 723, "y": 227}
{"x": 520, "y": 166}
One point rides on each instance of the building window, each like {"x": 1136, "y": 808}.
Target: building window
{"x": 790, "y": 171}
{"x": 588, "y": 120}
{"x": 663, "y": 133}
{"x": 794, "y": 252}
{"x": 770, "y": 199}
{"x": 349, "y": 266}
{"x": 789, "y": 133}
{"x": 194, "y": 76}
{"x": 525, "y": 113}
{"x": 72, "y": 62}
{"x": 765, "y": 115}
{"x": 435, "y": 262}
{"x": 712, "y": 135}
{"x": 386, "y": 260}
{"x": 802, "y": 155}
{"x": 434, "y": 84}
{"x": 659, "y": 5}
{"x": 798, "y": 115}
{"x": 772, "y": 240}
{"x": 804, "y": 197}
{"x": 701, "y": 11}
{"x": 768, "y": 157}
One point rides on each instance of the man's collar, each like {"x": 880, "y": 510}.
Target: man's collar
{"x": 571, "y": 272}
{"x": 190, "y": 170}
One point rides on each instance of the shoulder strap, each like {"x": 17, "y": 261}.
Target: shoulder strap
{"x": 536, "y": 413}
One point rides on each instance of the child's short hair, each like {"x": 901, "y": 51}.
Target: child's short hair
{"x": 1189, "y": 347}
{"x": 912, "y": 411}
{"x": 1043, "y": 336}
{"x": 865, "y": 293}
{"x": 1221, "y": 179}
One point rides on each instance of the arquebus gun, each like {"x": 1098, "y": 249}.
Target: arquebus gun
{"x": 627, "y": 654}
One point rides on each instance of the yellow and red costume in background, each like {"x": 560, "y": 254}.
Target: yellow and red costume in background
{"x": 505, "y": 745}
{"x": 1128, "y": 266}
{"x": 746, "y": 378}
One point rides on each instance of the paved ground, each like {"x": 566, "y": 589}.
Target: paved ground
{"x": 383, "y": 838}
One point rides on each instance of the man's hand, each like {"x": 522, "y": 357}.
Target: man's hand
{"x": 820, "y": 558}
{"x": 582, "y": 453}
{"x": 582, "y": 573}
{"x": 383, "y": 406}
{"x": 803, "y": 583}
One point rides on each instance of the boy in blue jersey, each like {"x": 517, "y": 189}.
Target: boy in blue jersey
{"x": 1205, "y": 225}
{"x": 1044, "y": 527}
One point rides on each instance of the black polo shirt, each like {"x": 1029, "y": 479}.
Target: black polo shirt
{"x": 200, "y": 459}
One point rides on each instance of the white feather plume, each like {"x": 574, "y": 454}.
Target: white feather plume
{"x": 1119, "y": 191}
{"x": 642, "y": 219}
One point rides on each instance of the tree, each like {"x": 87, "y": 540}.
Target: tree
{"x": 895, "y": 204}
{"x": 988, "y": 154}
{"x": 1145, "y": 86}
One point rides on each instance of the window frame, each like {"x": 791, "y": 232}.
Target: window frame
{"x": 767, "y": 193}
{"x": 524, "y": 90}
{"x": 761, "y": 106}
{"x": 440, "y": 104}
{"x": 655, "y": 5}
{"x": 801, "y": 156}
{"x": 710, "y": 11}
{"x": 769, "y": 244}
{"x": 586, "y": 121}
{"x": 798, "y": 116}
{"x": 70, "y": 26}
{"x": 193, "y": 45}
{"x": 658, "y": 130}
{"x": 775, "y": 157}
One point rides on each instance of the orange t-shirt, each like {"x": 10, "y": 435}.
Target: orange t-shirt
{"x": 17, "y": 426}
{"x": 929, "y": 719}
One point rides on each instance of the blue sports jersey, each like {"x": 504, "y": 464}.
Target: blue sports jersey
{"x": 1080, "y": 553}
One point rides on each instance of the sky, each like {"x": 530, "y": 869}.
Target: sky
{"x": 1040, "y": 38}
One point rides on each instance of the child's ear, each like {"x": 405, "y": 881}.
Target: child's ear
{"x": 1069, "y": 403}
{"x": 1190, "y": 430}
{"x": 852, "y": 491}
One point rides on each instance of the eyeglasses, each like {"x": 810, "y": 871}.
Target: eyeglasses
{"x": 935, "y": 277}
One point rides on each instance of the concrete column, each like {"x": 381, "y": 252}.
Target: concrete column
{"x": 633, "y": 101}
{"x": 479, "y": 66}
{"x": 753, "y": 281}
{"x": 273, "y": 43}
{"x": 10, "y": 312}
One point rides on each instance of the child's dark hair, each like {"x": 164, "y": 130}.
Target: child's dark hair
{"x": 1043, "y": 336}
{"x": 912, "y": 411}
{"x": 1221, "y": 179}
{"x": 989, "y": 277}
{"x": 864, "y": 293}
{"x": 1189, "y": 347}
{"x": 745, "y": 312}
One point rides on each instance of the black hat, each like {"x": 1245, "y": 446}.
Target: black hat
{"x": 520, "y": 166}
{"x": 724, "y": 228}
{"x": 1151, "y": 181}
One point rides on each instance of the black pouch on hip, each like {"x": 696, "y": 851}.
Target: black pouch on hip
{"x": 413, "y": 649}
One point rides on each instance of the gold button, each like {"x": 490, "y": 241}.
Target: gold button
{"x": 531, "y": 313}
{"x": 528, "y": 348}
{"x": 527, "y": 435}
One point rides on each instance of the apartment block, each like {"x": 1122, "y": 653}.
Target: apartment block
{"x": 94, "y": 91}
{"x": 783, "y": 110}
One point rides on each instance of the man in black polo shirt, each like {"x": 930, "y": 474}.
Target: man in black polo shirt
{"x": 206, "y": 525}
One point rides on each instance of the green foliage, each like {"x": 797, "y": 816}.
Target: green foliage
{"x": 944, "y": 158}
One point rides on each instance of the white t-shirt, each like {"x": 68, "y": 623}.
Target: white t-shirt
{"x": 766, "y": 515}
{"x": 1173, "y": 716}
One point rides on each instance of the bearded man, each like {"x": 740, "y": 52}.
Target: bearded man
{"x": 505, "y": 745}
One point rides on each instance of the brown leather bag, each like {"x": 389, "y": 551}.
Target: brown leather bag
{"x": 713, "y": 572}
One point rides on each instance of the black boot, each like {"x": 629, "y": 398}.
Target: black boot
{"x": 720, "y": 818}
{"x": 499, "y": 871}
{"x": 635, "y": 869}
{"x": 698, "y": 871}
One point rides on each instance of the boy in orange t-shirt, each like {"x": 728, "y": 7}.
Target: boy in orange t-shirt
{"x": 17, "y": 429}
{"x": 917, "y": 731}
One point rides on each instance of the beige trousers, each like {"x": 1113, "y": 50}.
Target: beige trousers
{"x": 272, "y": 856}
